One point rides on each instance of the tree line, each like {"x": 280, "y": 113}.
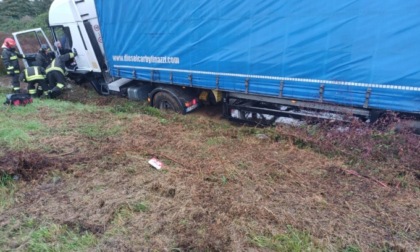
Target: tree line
{"x": 17, "y": 15}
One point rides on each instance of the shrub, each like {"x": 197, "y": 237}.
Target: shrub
{"x": 374, "y": 149}
{"x": 11, "y": 25}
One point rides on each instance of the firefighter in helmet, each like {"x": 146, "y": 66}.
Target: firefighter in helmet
{"x": 56, "y": 73}
{"x": 35, "y": 77}
{"x": 44, "y": 56}
{"x": 11, "y": 63}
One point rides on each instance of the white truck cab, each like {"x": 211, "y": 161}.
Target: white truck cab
{"x": 75, "y": 24}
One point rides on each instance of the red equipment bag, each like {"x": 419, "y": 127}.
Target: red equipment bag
{"x": 18, "y": 99}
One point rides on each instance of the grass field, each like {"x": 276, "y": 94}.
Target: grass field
{"x": 75, "y": 177}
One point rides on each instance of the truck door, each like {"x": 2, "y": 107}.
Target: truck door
{"x": 29, "y": 42}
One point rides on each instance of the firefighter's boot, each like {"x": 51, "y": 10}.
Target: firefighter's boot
{"x": 39, "y": 91}
{"x": 55, "y": 92}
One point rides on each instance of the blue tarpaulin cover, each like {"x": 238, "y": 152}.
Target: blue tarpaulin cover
{"x": 350, "y": 49}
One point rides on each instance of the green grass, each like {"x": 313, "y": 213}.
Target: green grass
{"x": 7, "y": 191}
{"x": 5, "y": 180}
{"x": 127, "y": 107}
{"x": 224, "y": 180}
{"x": 20, "y": 129}
{"x": 212, "y": 141}
{"x": 351, "y": 249}
{"x": 59, "y": 238}
{"x": 99, "y": 130}
{"x": 140, "y": 207}
{"x": 291, "y": 241}
{"x": 61, "y": 106}
{"x": 29, "y": 235}
{"x": 151, "y": 111}
{"x": 17, "y": 125}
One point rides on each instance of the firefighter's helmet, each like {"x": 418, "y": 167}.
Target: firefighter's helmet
{"x": 44, "y": 47}
{"x": 10, "y": 43}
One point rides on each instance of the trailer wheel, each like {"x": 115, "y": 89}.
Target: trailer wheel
{"x": 165, "y": 101}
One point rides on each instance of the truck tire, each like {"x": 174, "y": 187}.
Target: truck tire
{"x": 166, "y": 101}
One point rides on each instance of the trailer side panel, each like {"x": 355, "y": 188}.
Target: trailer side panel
{"x": 355, "y": 53}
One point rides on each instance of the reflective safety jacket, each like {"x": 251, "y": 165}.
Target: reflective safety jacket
{"x": 10, "y": 60}
{"x": 33, "y": 73}
{"x": 59, "y": 63}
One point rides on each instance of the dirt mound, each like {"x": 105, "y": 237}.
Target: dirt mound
{"x": 29, "y": 165}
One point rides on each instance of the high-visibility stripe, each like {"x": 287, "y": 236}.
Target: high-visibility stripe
{"x": 15, "y": 57}
{"x": 71, "y": 55}
{"x": 34, "y": 78}
{"x": 54, "y": 68}
{"x": 16, "y": 88}
{"x": 32, "y": 91}
{"x": 60, "y": 86}
{"x": 17, "y": 71}
{"x": 32, "y": 74}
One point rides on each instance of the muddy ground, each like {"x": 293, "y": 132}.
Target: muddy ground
{"x": 221, "y": 186}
